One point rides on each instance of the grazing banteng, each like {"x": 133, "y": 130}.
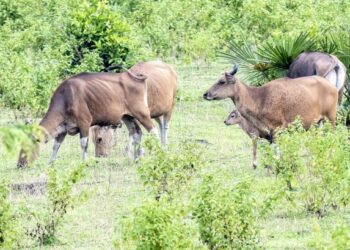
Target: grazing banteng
{"x": 161, "y": 90}
{"x": 103, "y": 139}
{"x": 254, "y": 133}
{"x": 321, "y": 64}
{"x": 89, "y": 99}
{"x": 278, "y": 102}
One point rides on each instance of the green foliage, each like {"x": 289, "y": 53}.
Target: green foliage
{"x": 158, "y": 225}
{"x": 97, "y": 27}
{"x": 227, "y": 217}
{"x": 25, "y": 137}
{"x": 315, "y": 163}
{"x": 60, "y": 199}
{"x": 339, "y": 238}
{"x": 168, "y": 171}
{"x": 8, "y": 225}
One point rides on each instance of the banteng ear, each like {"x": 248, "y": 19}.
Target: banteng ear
{"x": 234, "y": 69}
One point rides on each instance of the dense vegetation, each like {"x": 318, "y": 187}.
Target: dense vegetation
{"x": 200, "y": 193}
{"x": 43, "y": 42}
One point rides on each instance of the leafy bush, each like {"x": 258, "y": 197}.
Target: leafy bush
{"x": 339, "y": 238}
{"x": 158, "y": 225}
{"x": 8, "y": 224}
{"x": 61, "y": 198}
{"x": 227, "y": 218}
{"x": 315, "y": 163}
{"x": 168, "y": 171}
{"x": 97, "y": 27}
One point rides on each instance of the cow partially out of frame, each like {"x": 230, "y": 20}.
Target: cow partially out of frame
{"x": 320, "y": 64}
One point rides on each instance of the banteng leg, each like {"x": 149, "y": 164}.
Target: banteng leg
{"x": 56, "y": 145}
{"x": 144, "y": 117}
{"x": 160, "y": 121}
{"x": 166, "y": 126}
{"x": 135, "y": 135}
{"x": 255, "y": 161}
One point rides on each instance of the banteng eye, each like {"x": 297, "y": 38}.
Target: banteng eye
{"x": 221, "y": 82}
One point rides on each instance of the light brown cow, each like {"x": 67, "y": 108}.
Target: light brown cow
{"x": 89, "y": 99}
{"x": 234, "y": 118}
{"x": 321, "y": 64}
{"x": 161, "y": 90}
{"x": 279, "y": 102}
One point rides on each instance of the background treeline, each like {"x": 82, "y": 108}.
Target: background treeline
{"x": 43, "y": 42}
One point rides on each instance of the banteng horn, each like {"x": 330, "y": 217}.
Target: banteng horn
{"x": 234, "y": 69}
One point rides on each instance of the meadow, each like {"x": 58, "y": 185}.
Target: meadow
{"x": 112, "y": 187}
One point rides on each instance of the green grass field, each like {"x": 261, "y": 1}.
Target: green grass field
{"x": 114, "y": 187}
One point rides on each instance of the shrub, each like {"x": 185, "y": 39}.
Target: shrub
{"x": 8, "y": 224}
{"x": 61, "y": 198}
{"x": 315, "y": 163}
{"x": 166, "y": 172}
{"x": 97, "y": 27}
{"x": 227, "y": 217}
{"x": 337, "y": 239}
{"x": 158, "y": 225}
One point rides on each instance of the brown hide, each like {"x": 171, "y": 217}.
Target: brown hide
{"x": 161, "y": 90}
{"x": 279, "y": 102}
{"x": 89, "y": 99}
{"x": 321, "y": 64}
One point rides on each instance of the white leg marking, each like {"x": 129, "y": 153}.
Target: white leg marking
{"x": 166, "y": 126}
{"x": 84, "y": 145}
{"x": 154, "y": 131}
{"x": 137, "y": 145}
{"x": 56, "y": 146}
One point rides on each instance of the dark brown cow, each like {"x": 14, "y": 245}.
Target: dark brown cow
{"x": 89, "y": 99}
{"x": 321, "y": 64}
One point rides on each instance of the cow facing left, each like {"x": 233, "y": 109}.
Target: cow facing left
{"x": 89, "y": 99}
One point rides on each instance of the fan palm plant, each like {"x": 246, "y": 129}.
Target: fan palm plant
{"x": 268, "y": 61}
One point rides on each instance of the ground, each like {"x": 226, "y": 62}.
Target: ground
{"x": 114, "y": 188}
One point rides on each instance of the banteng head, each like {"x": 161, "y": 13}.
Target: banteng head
{"x": 233, "y": 118}
{"x": 224, "y": 87}
{"x": 103, "y": 139}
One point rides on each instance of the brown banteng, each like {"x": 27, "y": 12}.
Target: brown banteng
{"x": 321, "y": 64}
{"x": 89, "y": 99}
{"x": 234, "y": 118}
{"x": 278, "y": 102}
{"x": 161, "y": 90}
{"x": 103, "y": 139}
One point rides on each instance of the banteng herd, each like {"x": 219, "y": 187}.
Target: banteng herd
{"x": 312, "y": 91}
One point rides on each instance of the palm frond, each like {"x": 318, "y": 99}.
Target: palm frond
{"x": 328, "y": 44}
{"x": 282, "y": 53}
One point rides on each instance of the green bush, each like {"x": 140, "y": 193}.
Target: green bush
{"x": 336, "y": 239}
{"x": 158, "y": 225}
{"x": 98, "y": 27}
{"x": 315, "y": 163}
{"x": 166, "y": 172}
{"x": 227, "y": 217}
{"x": 8, "y": 225}
{"x": 60, "y": 200}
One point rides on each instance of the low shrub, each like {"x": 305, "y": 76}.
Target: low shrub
{"x": 166, "y": 172}
{"x": 227, "y": 217}
{"x": 315, "y": 163}
{"x": 158, "y": 225}
{"x": 8, "y": 225}
{"x": 60, "y": 200}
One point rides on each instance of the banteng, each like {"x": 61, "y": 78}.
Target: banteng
{"x": 89, "y": 99}
{"x": 161, "y": 91}
{"x": 321, "y": 64}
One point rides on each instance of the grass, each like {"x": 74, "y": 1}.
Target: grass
{"x": 114, "y": 188}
